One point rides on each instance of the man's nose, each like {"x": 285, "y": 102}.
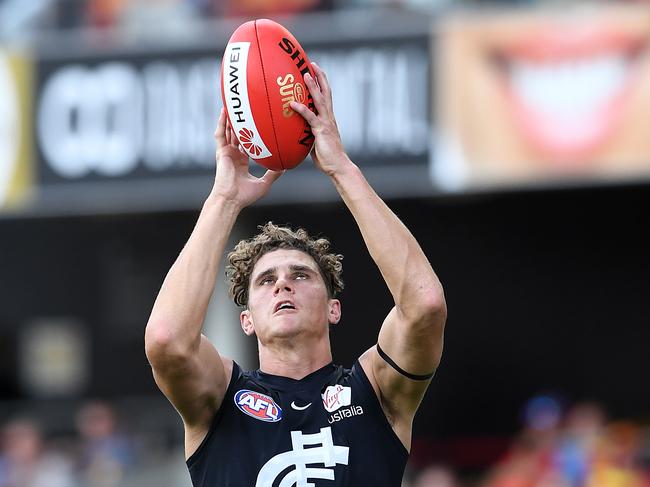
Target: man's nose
{"x": 282, "y": 284}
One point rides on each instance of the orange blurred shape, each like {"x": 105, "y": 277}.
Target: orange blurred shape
{"x": 269, "y": 7}
{"x": 104, "y": 13}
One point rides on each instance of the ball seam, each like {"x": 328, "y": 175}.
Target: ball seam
{"x": 268, "y": 99}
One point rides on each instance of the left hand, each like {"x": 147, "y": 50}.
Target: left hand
{"x": 328, "y": 152}
{"x": 233, "y": 181}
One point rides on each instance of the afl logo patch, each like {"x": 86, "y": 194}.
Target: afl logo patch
{"x": 259, "y": 406}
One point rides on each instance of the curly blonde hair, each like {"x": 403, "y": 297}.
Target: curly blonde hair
{"x": 246, "y": 253}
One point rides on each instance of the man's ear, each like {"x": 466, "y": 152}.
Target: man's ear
{"x": 246, "y": 321}
{"x": 334, "y": 311}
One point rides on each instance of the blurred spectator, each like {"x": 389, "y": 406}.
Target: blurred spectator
{"x": 524, "y": 465}
{"x": 105, "y": 453}
{"x": 104, "y": 13}
{"x": 583, "y": 451}
{"x": 616, "y": 460}
{"x": 436, "y": 476}
{"x": 575, "y": 448}
{"x": 159, "y": 17}
{"x": 256, "y": 8}
{"x": 424, "y": 5}
{"x": 24, "y": 461}
{"x": 528, "y": 463}
{"x": 168, "y": 17}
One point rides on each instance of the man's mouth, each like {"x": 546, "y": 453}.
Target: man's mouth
{"x": 283, "y": 306}
{"x": 567, "y": 88}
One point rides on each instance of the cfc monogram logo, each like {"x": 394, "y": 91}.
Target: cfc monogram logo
{"x": 321, "y": 451}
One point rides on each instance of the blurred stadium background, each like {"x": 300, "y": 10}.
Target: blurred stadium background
{"x": 513, "y": 138}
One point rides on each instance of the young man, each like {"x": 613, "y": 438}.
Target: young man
{"x": 299, "y": 420}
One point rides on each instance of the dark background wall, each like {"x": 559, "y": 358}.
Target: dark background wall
{"x": 547, "y": 292}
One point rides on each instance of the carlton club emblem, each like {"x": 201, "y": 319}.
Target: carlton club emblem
{"x": 312, "y": 456}
{"x": 258, "y": 406}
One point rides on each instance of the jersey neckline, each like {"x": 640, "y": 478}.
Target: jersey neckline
{"x": 287, "y": 383}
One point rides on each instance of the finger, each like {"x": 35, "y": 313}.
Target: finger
{"x": 227, "y": 131}
{"x": 312, "y": 84}
{"x": 305, "y": 112}
{"x": 271, "y": 176}
{"x": 220, "y": 132}
{"x": 320, "y": 102}
{"x": 321, "y": 78}
{"x": 315, "y": 78}
{"x": 233, "y": 137}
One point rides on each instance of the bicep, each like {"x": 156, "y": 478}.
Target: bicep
{"x": 416, "y": 349}
{"x": 196, "y": 384}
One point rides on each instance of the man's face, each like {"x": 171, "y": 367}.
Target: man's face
{"x": 288, "y": 297}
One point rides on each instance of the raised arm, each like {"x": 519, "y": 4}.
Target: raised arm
{"x": 186, "y": 366}
{"x": 412, "y": 333}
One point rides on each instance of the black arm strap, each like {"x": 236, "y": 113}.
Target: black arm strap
{"x": 390, "y": 362}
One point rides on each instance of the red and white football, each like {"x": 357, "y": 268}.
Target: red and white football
{"x": 261, "y": 74}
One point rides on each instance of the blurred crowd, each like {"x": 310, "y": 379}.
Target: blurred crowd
{"x": 128, "y": 14}
{"x": 99, "y": 455}
{"x": 19, "y": 18}
{"x": 578, "y": 447}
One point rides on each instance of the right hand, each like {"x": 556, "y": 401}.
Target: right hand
{"x": 233, "y": 181}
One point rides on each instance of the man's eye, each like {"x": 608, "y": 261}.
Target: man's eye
{"x": 300, "y": 275}
{"x": 266, "y": 280}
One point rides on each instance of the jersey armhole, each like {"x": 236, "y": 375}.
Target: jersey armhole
{"x": 236, "y": 372}
{"x": 377, "y": 405}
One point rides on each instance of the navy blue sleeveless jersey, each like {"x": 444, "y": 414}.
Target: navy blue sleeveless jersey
{"x": 325, "y": 430}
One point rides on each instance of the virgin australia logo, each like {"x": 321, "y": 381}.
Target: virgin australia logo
{"x": 336, "y": 396}
{"x": 345, "y": 413}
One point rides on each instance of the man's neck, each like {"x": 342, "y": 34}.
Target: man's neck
{"x": 294, "y": 362}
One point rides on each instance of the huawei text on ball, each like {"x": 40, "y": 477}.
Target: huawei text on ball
{"x": 234, "y": 84}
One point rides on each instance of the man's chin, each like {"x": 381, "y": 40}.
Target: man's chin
{"x": 286, "y": 325}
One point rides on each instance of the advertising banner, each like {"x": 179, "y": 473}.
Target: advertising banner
{"x": 15, "y": 129}
{"x": 134, "y": 130}
{"x": 543, "y": 96}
